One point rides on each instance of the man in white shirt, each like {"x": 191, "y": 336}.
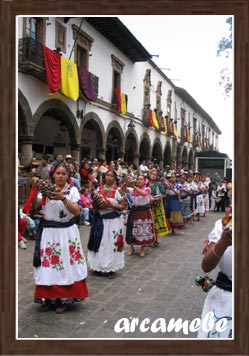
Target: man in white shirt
{"x": 221, "y": 193}
{"x": 143, "y": 169}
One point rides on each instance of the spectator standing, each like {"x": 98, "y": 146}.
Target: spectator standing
{"x": 86, "y": 207}
{"x": 43, "y": 170}
{"x": 84, "y": 173}
{"x": 143, "y": 169}
{"x": 221, "y": 193}
{"x": 102, "y": 171}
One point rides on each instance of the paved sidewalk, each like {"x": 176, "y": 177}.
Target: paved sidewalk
{"x": 160, "y": 285}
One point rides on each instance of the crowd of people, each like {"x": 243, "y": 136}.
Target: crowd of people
{"x": 120, "y": 203}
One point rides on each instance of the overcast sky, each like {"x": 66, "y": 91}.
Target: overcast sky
{"x": 187, "y": 44}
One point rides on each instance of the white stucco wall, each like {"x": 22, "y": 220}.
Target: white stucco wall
{"x": 100, "y": 64}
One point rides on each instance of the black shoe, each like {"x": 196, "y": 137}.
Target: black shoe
{"x": 111, "y": 275}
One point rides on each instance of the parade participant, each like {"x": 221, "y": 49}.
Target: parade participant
{"x": 106, "y": 243}
{"x": 60, "y": 267}
{"x": 140, "y": 225}
{"x": 185, "y": 200}
{"x": 221, "y": 193}
{"x": 219, "y": 299}
{"x": 198, "y": 188}
{"x": 205, "y": 181}
{"x": 158, "y": 193}
{"x": 211, "y": 187}
{"x": 172, "y": 203}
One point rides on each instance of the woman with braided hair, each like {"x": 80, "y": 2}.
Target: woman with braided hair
{"x": 60, "y": 267}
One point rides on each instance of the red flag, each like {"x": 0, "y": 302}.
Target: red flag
{"x": 53, "y": 69}
{"x": 119, "y": 98}
{"x": 150, "y": 118}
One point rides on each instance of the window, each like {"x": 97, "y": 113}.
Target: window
{"x": 118, "y": 67}
{"x": 158, "y": 96}
{"x": 35, "y": 27}
{"x": 82, "y": 57}
{"x": 147, "y": 85}
{"x": 60, "y": 36}
{"x": 83, "y": 46}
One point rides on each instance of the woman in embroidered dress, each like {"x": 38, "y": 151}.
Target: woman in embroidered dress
{"x": 140, "y": 225}
{"x": 219, "y": 299}
{"x": 172, "y": 204}
{"x": 185, "y": 198}
{"x": 198, "y": 189}
{"x": 106, "y": 243}
{"x": 61, "y": 270}
{"x": 158, "y": 193}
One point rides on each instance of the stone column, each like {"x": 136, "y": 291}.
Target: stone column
{"x": 75, "y": 149}
{"x": 101, "y": 152}
{"x": 136, "y": 159}
{"x": 26, "y": 149}
{"x": 174, "y": 153}
{"x": 121, "y": 155}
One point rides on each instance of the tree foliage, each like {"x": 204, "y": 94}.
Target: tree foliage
{"x": 225, "y": 48}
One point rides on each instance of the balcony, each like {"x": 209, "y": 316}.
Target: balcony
{"x": 31, "y": 61}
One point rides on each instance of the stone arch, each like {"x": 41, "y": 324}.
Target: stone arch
{"x": 93, "y": 123}
{"x": 145, "y": 147}
{"x": 179, "y": 156}
{"x": 191, "y": 160}
{"x": 185, "y": 157}
{"x": 157, "y": 151}
{"x": 24, "y": 116}
{"x": 60, "y": 111}
{"x": 167, "y": 154}
{"x": 131, "y": 147}
{"x": 114, "y": 142}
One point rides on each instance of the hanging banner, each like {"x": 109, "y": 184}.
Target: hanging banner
{"x": 86, "y": 84}
{"x": 150, "y": 118}
{"x": 154, "y": 119}
{"x": 53, "y": 69}
{"x": 69, "y": 79}
{"x": 123, "y": 103}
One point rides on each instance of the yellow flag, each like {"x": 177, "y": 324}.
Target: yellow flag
{"x": 123, "y": 104}
{"x": 165, "y": 126}
{"x": 69, "y": 79}
{"x": 155, "y": 122}
{"x": 175, "y": 131}
{"x": 189, "y": 138}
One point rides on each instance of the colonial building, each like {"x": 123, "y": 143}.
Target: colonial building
{"x": 126, "y": 107}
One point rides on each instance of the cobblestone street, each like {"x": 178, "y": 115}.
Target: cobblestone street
{"x": 160, "y": 285}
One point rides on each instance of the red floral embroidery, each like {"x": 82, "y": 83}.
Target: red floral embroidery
{"x": 71, "y": 249}
{"x": 45, "y": 263}
{"x": 48, "y": 251}
{"x": 51, "y": 256}
{"x": 55, "y": 260}
{"x": 119, "y": 243}
{"x": 75, "y": 252}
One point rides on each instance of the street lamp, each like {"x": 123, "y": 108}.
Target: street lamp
{"x": 131, "y": 126}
